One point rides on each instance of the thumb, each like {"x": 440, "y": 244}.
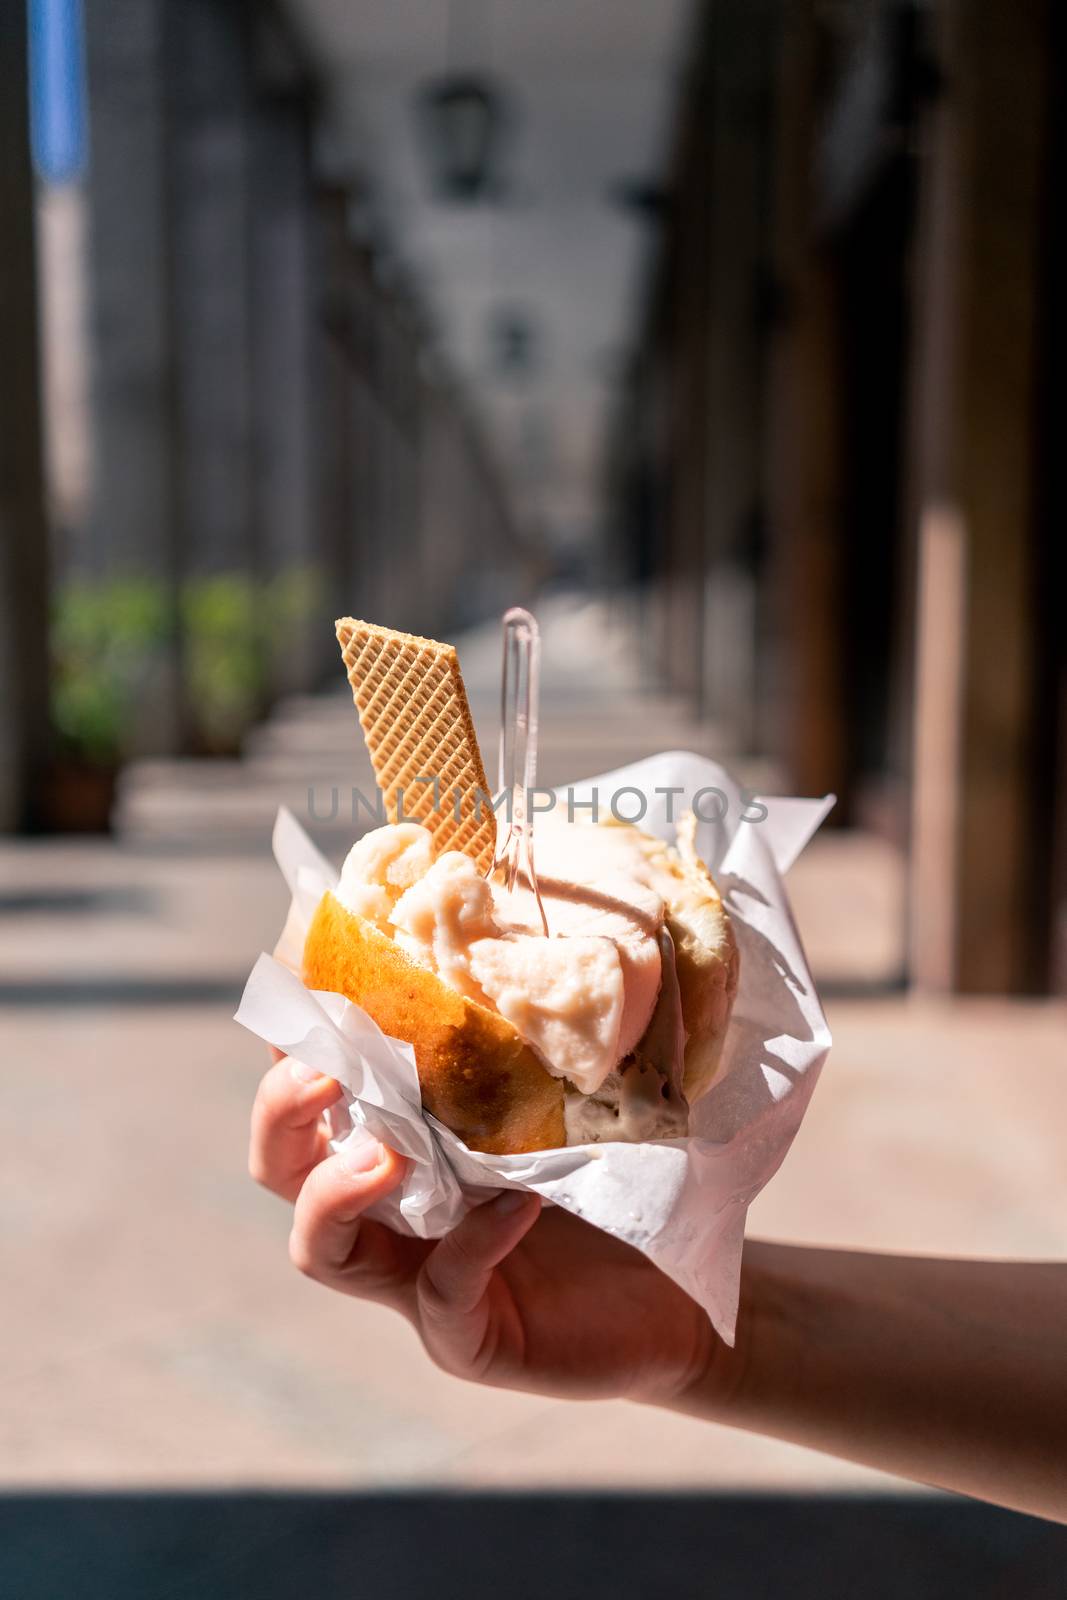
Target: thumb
{"x": 453, "y": 1284}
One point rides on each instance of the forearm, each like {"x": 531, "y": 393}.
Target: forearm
{"x": 953, "y": 1373}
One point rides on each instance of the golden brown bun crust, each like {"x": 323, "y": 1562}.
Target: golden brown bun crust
{"x": 707, "y": 982}
{"x": 705, "y": 953}
{"x": 477, "y": 1075}
{"x": 706, "y": 959}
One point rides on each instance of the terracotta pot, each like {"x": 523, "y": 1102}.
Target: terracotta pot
{"x": 77, "y": 797}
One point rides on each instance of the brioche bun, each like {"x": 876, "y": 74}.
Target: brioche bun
{"x": 476, "y": 1073}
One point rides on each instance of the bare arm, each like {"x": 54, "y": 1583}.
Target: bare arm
{"x": 953, "y": 1373}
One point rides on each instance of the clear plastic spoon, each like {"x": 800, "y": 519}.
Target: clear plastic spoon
{"x": 517, "y": 773}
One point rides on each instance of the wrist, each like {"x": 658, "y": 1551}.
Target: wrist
{"x": 742, "y": 1384}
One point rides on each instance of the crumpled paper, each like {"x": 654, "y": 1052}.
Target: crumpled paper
{"x": 682, "y": 1202}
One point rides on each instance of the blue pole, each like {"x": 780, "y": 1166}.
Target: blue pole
{"x": 57, "y": 90}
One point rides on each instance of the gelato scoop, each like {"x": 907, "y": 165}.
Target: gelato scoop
{"x": 599, "y": 1003}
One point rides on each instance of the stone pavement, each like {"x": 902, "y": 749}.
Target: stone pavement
{"x": 153, "y": 1332}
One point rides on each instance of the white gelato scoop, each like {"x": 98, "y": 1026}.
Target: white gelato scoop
{"x": 581, "y": 998}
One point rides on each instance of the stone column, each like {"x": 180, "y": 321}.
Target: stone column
{"x": 209, "y": 162}
{"x": 741, "y": 49}
{"x": 333, "y": 493}
{"x": 133, "y": 530}
{"x": 981, "y": 861}
{"x": 23, "y": 545}
{"x": 281, "y": 395}
{"x": 805, "y": 669}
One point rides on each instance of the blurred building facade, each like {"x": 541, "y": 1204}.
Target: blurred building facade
{"x": 247, "y": 430}
{"x": 832, "y": 478}
{"x": 264, "y": 403}
{"x": 836, "y": 466}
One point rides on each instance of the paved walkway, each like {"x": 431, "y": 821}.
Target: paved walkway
{"x": 153, "y": 1332}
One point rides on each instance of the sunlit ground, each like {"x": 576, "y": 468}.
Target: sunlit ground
{"x": 154, "y": 1333}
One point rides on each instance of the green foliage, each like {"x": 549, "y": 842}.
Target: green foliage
{"x": 104, "y": 638}
{"x": 291, "y": 598}
{"x": 223, "y": 649}
{"x": 110, "y": 638}
{"x": 230, "y": 626}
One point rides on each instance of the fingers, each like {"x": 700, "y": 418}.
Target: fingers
{"x": 288, "y": 1138}
{"x": 334, "y": 1243}
{"x": 454, "y": 1285}
{"x": 457, "y": 1274}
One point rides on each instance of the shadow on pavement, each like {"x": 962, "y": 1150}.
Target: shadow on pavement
{"x": 440, "y": 1545}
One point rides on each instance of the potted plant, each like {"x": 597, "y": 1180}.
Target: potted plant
{"x": 231, "y": 627}
{"x": 223, "y": 650}
{"x": 106, "y": 636}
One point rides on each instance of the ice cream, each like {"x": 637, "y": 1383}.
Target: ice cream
{"x": 609, "y": 1027}
{"x": 585, "y": 997}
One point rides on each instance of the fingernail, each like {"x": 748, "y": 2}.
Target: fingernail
{"x": 302, "y": 1072}
{"x": 361, "y": 1156}
{"x": 508, "y": 1202}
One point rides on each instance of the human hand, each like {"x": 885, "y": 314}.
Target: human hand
{"x": 516, "y": 1296}
{"x": 890, "y": 1361}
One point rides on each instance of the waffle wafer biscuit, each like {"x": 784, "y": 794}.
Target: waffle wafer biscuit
{"x": 419, "y": 734}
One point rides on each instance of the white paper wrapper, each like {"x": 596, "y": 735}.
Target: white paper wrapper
{"x": 682, "y": 1202}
